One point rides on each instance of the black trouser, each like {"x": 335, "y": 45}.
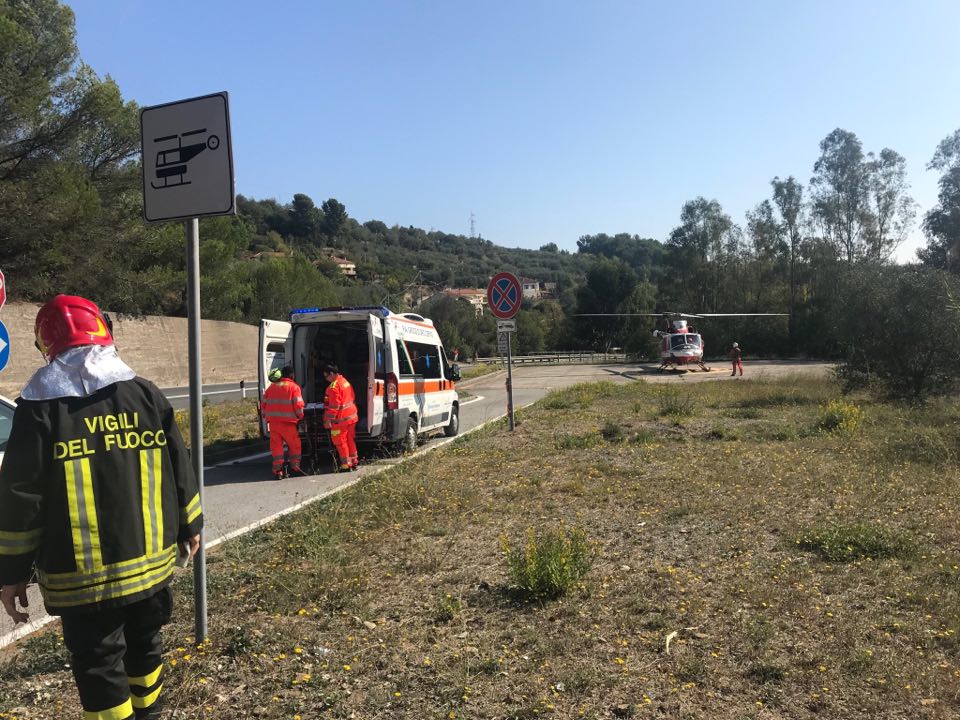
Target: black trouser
{"x": 117, "y": 658}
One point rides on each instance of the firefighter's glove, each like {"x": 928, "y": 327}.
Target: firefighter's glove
{"x": 9, "y": 596}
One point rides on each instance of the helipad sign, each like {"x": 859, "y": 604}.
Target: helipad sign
{"x": 187, "y": 159}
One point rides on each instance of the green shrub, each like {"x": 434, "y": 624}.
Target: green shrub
{"x": 745, "y": 413}
{"x": 840, "y": 417}
{"x": 927, "y": 446}
{"x": 719, "y": 431}
{"x": 547, "y": 564}
{"x": 447, "y": 608}
{"x": 845, "y": 543}
{"x": 675, "y": 405}
{"x": 643, "y": 436}
{"x": 772, "y": 399}
{"x": 613, "y": 432}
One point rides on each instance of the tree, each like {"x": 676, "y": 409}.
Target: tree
{"x": 841, "y": 193}
{"x": 701, "y": 250}
{"x": 901, "y": 328}
{"x": 305, "y": 219}
{"x": 788, "y": 197}
{"x": 767, "y": 245}
{"x": 942, "y": 222}
{"x": 334, "y": 218}
{"x": 609, "y": 289}
{"x": 893, "y": 210}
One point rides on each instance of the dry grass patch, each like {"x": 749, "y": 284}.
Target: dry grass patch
{"x": 394, "y": 599}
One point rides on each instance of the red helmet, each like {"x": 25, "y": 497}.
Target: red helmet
{"x": 70, "y": 321}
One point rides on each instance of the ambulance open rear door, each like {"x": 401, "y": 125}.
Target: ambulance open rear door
{"x": 376, "y": 390}
{"x": 276, "y": 345}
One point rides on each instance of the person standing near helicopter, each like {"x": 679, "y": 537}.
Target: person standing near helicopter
{"x": 736, "y": 356}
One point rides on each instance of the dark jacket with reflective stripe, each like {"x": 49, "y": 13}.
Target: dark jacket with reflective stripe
{"x": 282, "y": 402}
{"x": 96, "y": 492}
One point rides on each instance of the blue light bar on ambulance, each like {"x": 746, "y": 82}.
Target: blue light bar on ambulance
{"x": 377, "y": 308}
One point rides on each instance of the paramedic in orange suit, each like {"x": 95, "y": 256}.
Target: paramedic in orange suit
{"x": 340, "y": 416}
{"x": 282, "y": 408}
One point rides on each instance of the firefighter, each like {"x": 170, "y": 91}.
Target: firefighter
{"x": 340, "y": 416}
{"x": 282, "y": 408}
{"x": 736, "y": 357}
{"x": 96, "y": 493}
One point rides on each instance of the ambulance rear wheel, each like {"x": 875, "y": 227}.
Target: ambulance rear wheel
{"x": 409, "y": 442}
{"x": 453, "y": 427}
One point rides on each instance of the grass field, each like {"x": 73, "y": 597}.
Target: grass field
{"x": 721, "y": 550}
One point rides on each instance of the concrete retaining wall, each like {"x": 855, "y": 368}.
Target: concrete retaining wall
{"x": 155, "y": 347}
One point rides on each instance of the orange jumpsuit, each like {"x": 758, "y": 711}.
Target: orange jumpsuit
{"x": 340, "y": 418}
{"x": 282, "y": 408}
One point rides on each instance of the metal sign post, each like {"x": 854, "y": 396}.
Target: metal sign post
{"x": 504, "y": 295}
{"x": 188, "y": 174}
{"x": 511, "y": 419}
{"x": 192, "y": 228}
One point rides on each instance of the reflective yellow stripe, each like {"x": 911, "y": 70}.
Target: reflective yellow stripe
{"x": 19, "y": 543}
{"x": 83, "y": 514}
{"x": 93, "y": 527}
{"x": 72, "y": 502}
{"x": 151, "y": 498}
{"x": 147, "y": 700}
{"x": 120, "y": 712}
{"x": 158, "y": 495}
{"x": 68, "y": 581}
{"x": 146, "y": 681}
{"x": 108, "y": 591}
{"x": 146, "y": 482}
{"x": 191, "y": 511}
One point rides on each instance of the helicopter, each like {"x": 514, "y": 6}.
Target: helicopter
{"x": 680, "y": 345}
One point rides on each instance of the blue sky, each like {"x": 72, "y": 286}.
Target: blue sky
{"x": 547, "y": 120}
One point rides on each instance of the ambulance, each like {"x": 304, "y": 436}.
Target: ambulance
{"x": 404, "y": 384}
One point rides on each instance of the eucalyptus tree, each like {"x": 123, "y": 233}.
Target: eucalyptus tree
{"x": 892, "y": 208}
{"x": 841, "y": 193}
{"x": 942, "y": 222}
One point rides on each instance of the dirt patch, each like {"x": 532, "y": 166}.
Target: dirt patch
{"x": 707, "y": 597}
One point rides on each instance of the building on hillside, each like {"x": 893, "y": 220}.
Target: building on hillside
{"x": 477, "y": 297}
{"x": 414, "y": 295}
{"x": 347, "y": 267}
{"x": 548, "y": 290}
{"x": 531, "y": 288}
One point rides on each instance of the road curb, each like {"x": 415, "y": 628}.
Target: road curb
{"x": 26, "y": 630}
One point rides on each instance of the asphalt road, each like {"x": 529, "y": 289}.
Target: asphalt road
{"x": 242, "y": 493}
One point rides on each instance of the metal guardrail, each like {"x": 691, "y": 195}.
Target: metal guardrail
{"x": 558, "y": 358}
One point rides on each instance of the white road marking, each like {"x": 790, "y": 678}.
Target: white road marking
{"x": 208, "y": 392}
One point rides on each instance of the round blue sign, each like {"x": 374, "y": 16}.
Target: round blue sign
{"x": 4, "y": 346}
